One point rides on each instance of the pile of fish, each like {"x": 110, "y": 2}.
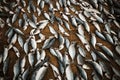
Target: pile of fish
{"x": 94, "y": 24}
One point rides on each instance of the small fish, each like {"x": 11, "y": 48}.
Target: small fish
{"x": 100, "y": 35}
{"x": 48, "y": 42}
{"x": 42, "y": 4}
{"x": 5, "y": 53}
{"x": 52, "y": 30}
{"x": 41, "y": 72}
{"x": 106, "y": 50}
{"x": 69, "y": 73}
{"x": 82, "y": 72}
{"x": 16, "y": 69}
{"x": 42, "y": 24}
{"x": 81, "y": 51}
{"x": 71, "y": 50}
{"x": 33, "y": 42}
{"x": 16, "y": 51}
{"x": 56, "y": 72}
{"x": 31, "y": 59}
{"x": 117, "y": 48}
{"x": 14, "y": 18}
{"x": 93, "y": 40}
{"x": 26, "y": 44}
{"x": 66, "y": 25}
{"x": 6, "y": 65}
{"x": 61, "y": 41}
{"x": 80, "y": 59}
{"x": 32, "y": 24}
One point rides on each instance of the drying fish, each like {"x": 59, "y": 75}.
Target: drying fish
{"x": 59, "y": 55}
{"x": 117, "y": 48}
{"x": 94, "y": 56}
{"x": 46, "y": 15}
{"x": 82, "y": 72}
{"x": 80, "y": 30}
{"x": 41, "y": 72}
{"x": 42, "y": 24}
{"x": 42, "y": 4}
{"x": 38, "y": 11}
{"x": 93, "y": 40}
{"x": 57, "y": 5}
{"x": 117, "y": 72}
{"x": 66, "y": 25}
{"x": 66, "y": 59}
{"x": 18, "y": 31}
{"x": 64, "y": 16}
{"x": 16, "y": 69}
{"x": 67, "y": 43}
{"x": 53, "y": 52}
{"x": 16, "y": 51}
{"x": 81, "y": 51}
{"x": 6, "y": 66}
{"x": 96, "y": 26}
{"x": 33, "y": 42}
{"x": 56, "y": 72}
{"x": 71, "y": 50}
{"x": 25, "y": 74}
{"x": 94, "y": 3}
{"x": 69, "y": 73}
{"x": 108, "y": 37}
{"x": 106, "y": 50}
{"x": 31, "y": 59}
{"x": 61, "y": 41}
{"x": 73, "y": 21}
{"x": 22, "y": 64}
{"x": 32, "y": 24}
{"x": 42, "y": 38}
{"x": 99, "y": 19}
{"x": 14, "y": 18}
{"x": 26, "y": 46}
{"x": 96, "y": 66}
{"x": 100, "y": 35}
{"x": 101, "y": 55}
{"x": 52, "y": 30}
{"x": 5, "y": 53}
{"x": 48, "y": 42}
{"x": 80, "y": 59}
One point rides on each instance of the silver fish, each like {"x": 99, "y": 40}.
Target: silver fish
{"x": 48, "y": 42}
{"x": 6, "y": 65}
{"x": 56, "y": 72}
{"x": 16, "y": 69}
{"x": 5, "y": 53}
{"x": 61, "y": 41}
{"x": 52, "y": 30}
{"x": 66, "y": 25}
{"x": 100, "y": 35}
{"x": 41, "y": 72}
{"x": 33, "y": 42}
{"x": 69, "y": 73}
{"x": 14, "y": 18}
{"x": 80, "y": 59}
{"x": 93, "y": 40}
{"x": 117, "y": 48}
{"x": 31, "y": 59}
{"x": 71, "y": 50}
{"x": 16, "y": 51}
{"x": 82, "y": 73}
{"x": 106, "y": 50}
{"x": 42, "y": 4}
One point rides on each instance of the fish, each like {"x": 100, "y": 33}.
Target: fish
{"x": 5, "y": 53}
{"x": 106, "y": 50}
{"x": 56, "y": 72}
{"x": 93, "y": 40}
{"x": 61, "y": 41}
{"x": 42, "y": 4}
{"x": 96, "y": 67}
{"x": 41, "y": 72}
{"x": 66, "y": 60}
{"x": 38, "y": 11}
{"x": 81, "y": 51}
{"x": 16, "y": 51}
{"x": 26, "y": 46}
{"x": 48, "y": 42}
{"x": 16, "y": 69}
{"x": 14, "y": 18}
{"x": 22, "y": 64}
{"x": 82, "y": 72}
{"x": 80, "y": 59}
{"x": 42, "y": 24}
{"x": 52, "y": 30}
{"x": 31, "y": 23}
{"x": 69, "y": 73}
{"x": 62, "y": 30}
{"x": 33, "y": 42}
{"x": 46, "y": 15}
{"x": 94, "y": 56}
{"x": 100, "y": 35}
{"x": 31, "y": 59}
{"x": 72, "y": 51}
{"x": 117, "y": 48}
{"x": 6, "y": 65}
{"x": 66, "y": 25}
